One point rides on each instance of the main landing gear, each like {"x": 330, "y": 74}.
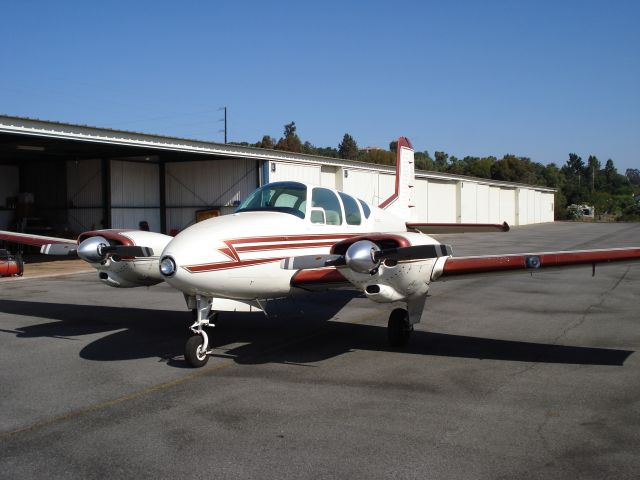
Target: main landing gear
{"x": 399, "y": 328}
{"x": 196, "y": 350}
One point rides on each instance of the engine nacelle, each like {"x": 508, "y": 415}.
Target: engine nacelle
{"x": 123, "y": 272}
{"x": 387, "y": 281}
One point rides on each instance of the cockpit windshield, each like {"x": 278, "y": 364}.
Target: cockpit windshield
{"x": 285, "y": 197}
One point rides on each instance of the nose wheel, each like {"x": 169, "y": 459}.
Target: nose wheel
{"x": 195, "y": 353}
{"x": 196, "y": 350}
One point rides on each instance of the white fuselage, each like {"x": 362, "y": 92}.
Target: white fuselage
{"x": 238, "y": 256}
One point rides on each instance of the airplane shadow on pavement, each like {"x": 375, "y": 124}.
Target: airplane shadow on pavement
{"x": 296, "y": 332}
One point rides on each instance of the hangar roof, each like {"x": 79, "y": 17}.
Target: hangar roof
{"x": 28, "y": 139}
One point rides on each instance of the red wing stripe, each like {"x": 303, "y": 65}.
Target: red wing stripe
{"x": 491, "y": 264}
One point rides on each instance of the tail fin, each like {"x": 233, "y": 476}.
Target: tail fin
{"x": 401, "y": 202}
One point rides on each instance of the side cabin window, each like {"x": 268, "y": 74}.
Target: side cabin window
{"x": 351, "y": 210}
{"x": 365, "y": 208}
{"x": 285, "y": 197}
{"x": 325, "y": 207}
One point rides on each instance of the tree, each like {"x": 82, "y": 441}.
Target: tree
{"x": 574, "y": 168}
{"x": 379, "y": 156}
{"x": 393, "y": 146}
{"x": 610, "y": 171}
{"x": 424, "y": 161}
{"x": 441, "y": 162}
{"x": 348, "y": 148}
{"x": 266, "y": 142}
{"x": 593, "y": 169}
{"x": 478, "y": 167}
{"x": 633, "y": 174}
{"x": 290, "y": 142}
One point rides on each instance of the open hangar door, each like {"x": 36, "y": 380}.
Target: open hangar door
{"x": 9, "y": 189}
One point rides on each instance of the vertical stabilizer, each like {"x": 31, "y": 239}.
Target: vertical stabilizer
{"x": 401, "y": 202}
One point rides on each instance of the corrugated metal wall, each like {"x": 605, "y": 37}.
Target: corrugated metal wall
{"x": 547, "y": 203}
{"x": 282, "y": 171}
{"x": 193, "y": 186}
{"x": 135, "y": 195}
{"x": 468, "y": 202}
{"x": 84, "y": 195}
{"x": 442, "y": 202}
{"x": 329, "y": 176}
{"x": 483, "y": 204}
{"x": 508, "y": 206}
{"x": 362, "y": 184}
{"x": 8, "y": 188}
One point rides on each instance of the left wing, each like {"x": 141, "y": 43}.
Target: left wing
{"x": 36, "y": 240}
{"x": 459, "y": 267}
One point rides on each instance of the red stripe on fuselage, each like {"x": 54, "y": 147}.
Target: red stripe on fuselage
{"x": 283, "y": 246}
{"x": 266, "y": 244}
{"x": 212, "y": 267}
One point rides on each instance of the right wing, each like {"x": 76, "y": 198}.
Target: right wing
{"x": 460, "y": 267}
{"x": 441, "y": 228}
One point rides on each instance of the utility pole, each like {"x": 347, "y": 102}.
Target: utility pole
{"x": 225, "y": 123}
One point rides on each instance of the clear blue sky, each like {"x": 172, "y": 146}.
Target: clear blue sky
{"x": 539, "y": 79}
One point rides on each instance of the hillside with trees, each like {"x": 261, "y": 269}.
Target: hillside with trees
{"x": 577, "y": 182}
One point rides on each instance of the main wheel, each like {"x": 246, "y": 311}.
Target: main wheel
{"x": 398, "y": 328}
{"x": 20, "y": 263}
{"x": 194, "y": 354}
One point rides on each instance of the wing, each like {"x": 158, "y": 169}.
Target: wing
{"x": 460, "y": 267}
{"x": 440, "y": 228}
{"x": 36, "y": 240}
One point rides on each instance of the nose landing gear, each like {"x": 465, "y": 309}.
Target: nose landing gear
{"x": 196, "y": 350}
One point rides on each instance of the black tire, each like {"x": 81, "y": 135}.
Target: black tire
{"x": 193, "y": 353}
{"x": 398, "y": 328}
{"x": 20, "y": 263}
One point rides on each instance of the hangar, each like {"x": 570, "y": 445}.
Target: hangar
{"x": 62, "y": 177}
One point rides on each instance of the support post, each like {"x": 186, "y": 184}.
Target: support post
{"x": 105, "y": 173}
{"x": 163, "y": 196}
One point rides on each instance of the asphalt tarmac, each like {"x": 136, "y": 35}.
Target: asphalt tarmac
{"x": 514, "y": 376}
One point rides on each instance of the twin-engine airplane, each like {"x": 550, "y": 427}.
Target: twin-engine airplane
{"x": 320, "y": 238}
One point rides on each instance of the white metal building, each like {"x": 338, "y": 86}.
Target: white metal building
{"x": 85, "y": 177}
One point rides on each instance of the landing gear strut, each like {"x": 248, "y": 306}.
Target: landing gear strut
{"x": 196, "y": 350}
{"x": 399, "y": 328}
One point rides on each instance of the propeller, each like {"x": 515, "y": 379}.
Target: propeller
{"x": 364, "y": 256}
{"x": 95, "y": 249}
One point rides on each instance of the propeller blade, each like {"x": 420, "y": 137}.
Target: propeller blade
{"x": 304, "y": 262}
{"x": 127, "y": 250}
{"x": 59, "y": 249}
{"x": 414, "y": 253}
